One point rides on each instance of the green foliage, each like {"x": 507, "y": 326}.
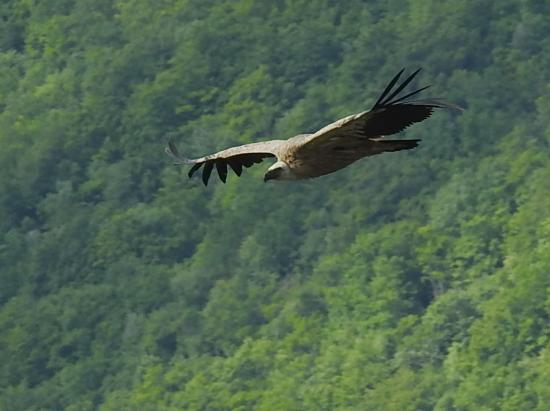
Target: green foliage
{"x": 409, "y": 281}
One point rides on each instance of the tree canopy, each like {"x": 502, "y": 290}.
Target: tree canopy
{"x": 410, "y": 281}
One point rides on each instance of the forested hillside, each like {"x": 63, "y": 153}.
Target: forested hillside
{"x": 416, "y": 280}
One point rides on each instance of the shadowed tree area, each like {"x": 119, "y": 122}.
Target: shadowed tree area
{"x": 411, "y": 281}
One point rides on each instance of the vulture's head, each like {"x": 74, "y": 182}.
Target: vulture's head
{"x": 279, "y": 171}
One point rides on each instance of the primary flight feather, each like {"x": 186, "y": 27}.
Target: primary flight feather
{"x": 331, "y": 148}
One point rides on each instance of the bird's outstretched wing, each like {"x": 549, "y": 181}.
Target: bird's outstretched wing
{"x": 236, "y": 157}
{"x": 390, "y": 114}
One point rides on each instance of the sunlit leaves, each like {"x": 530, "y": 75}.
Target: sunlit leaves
{"x": 406, "y": 281}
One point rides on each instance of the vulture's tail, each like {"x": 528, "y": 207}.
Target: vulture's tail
{"x": 395, "y": 145}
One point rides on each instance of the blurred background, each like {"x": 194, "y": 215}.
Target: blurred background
{"x": 416, "y": 280}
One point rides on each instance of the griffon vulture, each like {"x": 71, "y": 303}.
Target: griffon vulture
{"x": 331, "y": 148}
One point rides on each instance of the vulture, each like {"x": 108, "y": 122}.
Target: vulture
{"x": 333, "y": 147}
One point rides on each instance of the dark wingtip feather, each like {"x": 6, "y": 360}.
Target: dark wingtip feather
{"x": 236, "y": 166}
{"x": 193, "y": 169}
{"x": 438, "y": 103}
{"x": 401, "y": 99}
{"x": 398, "y": 90}
{"x": 172, "y": 147}
{"x": 221, "y": 167}
{"x": 388, "y": 87}
{"x": 206, "y": 171}
{"x": 384, "y": 101}
{"x": 173, "y": 152}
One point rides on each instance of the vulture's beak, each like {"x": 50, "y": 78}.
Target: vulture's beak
{"x": 272, "y": 174}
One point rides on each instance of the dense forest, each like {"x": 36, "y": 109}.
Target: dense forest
{"x": 416, "y": 280}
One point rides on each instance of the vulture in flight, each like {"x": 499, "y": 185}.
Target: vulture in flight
{"x": 333, "y": 147}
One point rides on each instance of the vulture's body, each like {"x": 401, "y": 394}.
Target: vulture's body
{"x": 331, "y": 148}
